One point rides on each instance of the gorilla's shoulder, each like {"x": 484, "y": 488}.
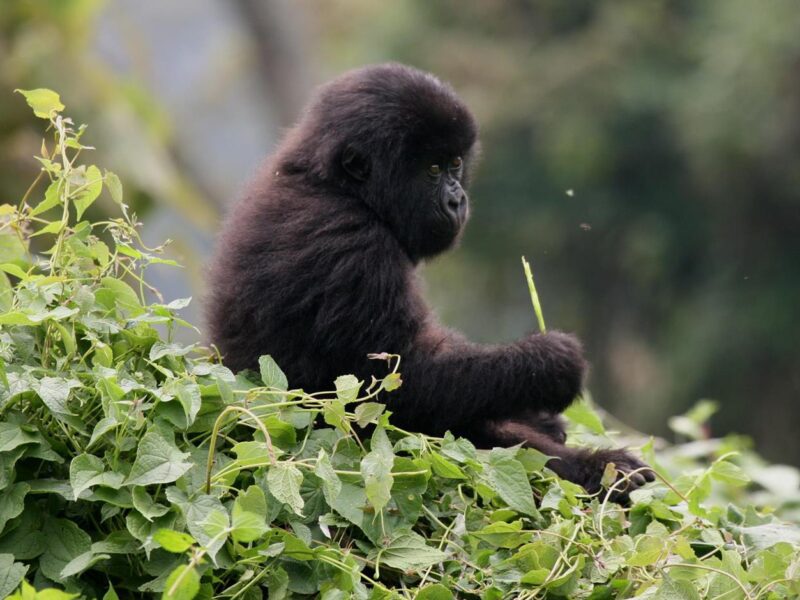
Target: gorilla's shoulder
{"x": 282, "y": 220}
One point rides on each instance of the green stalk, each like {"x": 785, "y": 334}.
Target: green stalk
{"x": 537, "y": 307}
{"x": 215, "y": 433}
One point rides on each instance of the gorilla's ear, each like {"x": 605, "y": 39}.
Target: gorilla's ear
{"x": 355, "y": 164}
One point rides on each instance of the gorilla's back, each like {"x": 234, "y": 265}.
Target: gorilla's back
{"x": 283, "y": 257}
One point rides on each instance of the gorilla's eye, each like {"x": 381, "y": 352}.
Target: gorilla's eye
{"x": 456, "y": 162}
{"x": 434, "y": 170}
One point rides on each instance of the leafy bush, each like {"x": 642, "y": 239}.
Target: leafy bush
{"x": 132, "y": 465}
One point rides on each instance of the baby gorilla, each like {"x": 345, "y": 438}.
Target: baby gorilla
{"x": 317, "y": 267}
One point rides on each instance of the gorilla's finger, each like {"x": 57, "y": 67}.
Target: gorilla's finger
{"x": 638, "y": 479}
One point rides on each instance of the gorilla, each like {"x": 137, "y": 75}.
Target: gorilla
{"x": 316, "y": 265}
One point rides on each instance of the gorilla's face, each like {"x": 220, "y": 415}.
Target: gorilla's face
{"x": 437, "y": 203}
{"x": 422, "y": 199}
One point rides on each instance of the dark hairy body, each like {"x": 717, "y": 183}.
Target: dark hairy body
{"x": 316, "y": 266}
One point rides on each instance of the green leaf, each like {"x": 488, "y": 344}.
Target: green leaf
{"x": 435, "y": 592}
{"x": 12, "y": 248}
{"x": 409, "y": 551}
{"x": 727, "y": 584}
{"x": 216, "y": 526}
{"x": 350, "y": 503}
{"x": 55, "y": 391}
{"x": 538, "y": 558}
{"x": 278, "y": 584}
{"x": 249, "y": 515}
{"x": 122, "y": 295}
{"x": 508, "y": 478}
{"x": 6, "y": 293}
{"x": 251, "y": 454}
{"x": 102, "y": 427}
{"x": 444, "y": 468}
{"x": 173, "y": 541}
{"x": 187, "y": 393}
{"x": 111, "y": 593}
{"x": 368, "y": 412}
{"x": 82, "y": 562}
{"x": 284, "y": 481}
{"x": 674, "y": 589}
{"x": 271, "y": 373}
{"x": 14, "y": 270}
{"x": 729, "y": 473}
{"x": 376, "y": 469}
{"x": 52, "y": 486}
{"x": 12, "y": 502}
{"x": 65, "y": 542}
{"x": 347, "y": 387}
{"x": 89, "y": 190}
{"x": 294, "y": 547}
{"x": 182, "y": 584}
{"x": 44, "y": 102}
{"x": 100, "y": 252}
{"x": 55, "y": 227}
{"x": 161, "y": 349}
{"x": 52, "y": 198}
{"x": 391, "y": 382}
{"x": 767, "y": 535}
{"x": 691, "y": 423}
{"x": 283, "y": 434}
{"x": 87, "y": 470}
{"x": 26, "y": 541}
{"x": 114, "y": 187}
{"x": 335, "y": 415}
{"x": 581, "y": 412}
{"x": 11, "y": 574}
{"x": 117, "y": 542}
{"x": 148, "y": 508}
{"x": 157, "y": 461}
{"x": 12, "y": 436}
{"x": 331, "y": 484}
{"x": 196, "y": 511}
{"x": 648, "y": 549}
{"x": 15, "y": 318}
{"x": 503, "y": 535}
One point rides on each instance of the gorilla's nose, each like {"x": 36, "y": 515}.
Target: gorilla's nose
{"x": 457, "y": 204}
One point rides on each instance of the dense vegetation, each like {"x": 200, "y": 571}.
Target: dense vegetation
{"x": 131, "y": 464}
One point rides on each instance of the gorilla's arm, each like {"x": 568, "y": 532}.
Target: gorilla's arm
{"x": 372, "y": 304}
{"x": 451, "y": 383}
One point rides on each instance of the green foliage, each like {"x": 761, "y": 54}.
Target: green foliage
{"x": 131, "y": 465}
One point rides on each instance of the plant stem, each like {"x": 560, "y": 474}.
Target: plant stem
{"x": 215, "y": 433}
{"x": 537, "y": 307}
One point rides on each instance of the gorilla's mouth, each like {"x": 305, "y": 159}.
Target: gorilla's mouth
{"x": 444, "y": 229}
{"x": 448, "y": 224}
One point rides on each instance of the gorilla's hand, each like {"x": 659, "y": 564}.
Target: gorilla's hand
{"x": 632, "y": 473}
{"x": 558, "y": 367}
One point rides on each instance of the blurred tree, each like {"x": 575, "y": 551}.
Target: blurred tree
{"x": 50, "y": 44}
{"x": 179, "y": 93}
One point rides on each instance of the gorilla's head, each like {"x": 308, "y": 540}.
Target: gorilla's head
{"x": 399, "y": 140}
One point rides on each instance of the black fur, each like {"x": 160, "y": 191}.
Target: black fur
{"x": 316, "y": 266}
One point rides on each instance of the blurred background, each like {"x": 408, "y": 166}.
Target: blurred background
{"x": 644, "y": 156}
